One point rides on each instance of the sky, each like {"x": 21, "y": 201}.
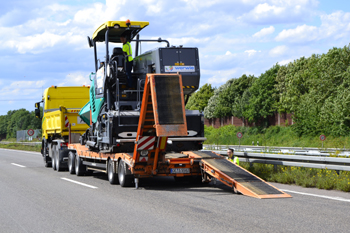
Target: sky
{"x": 43, "y": 43}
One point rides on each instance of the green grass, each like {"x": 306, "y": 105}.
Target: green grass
{"x": 18, "y": 146}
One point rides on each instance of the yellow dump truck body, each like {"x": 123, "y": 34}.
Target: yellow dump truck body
{"x": 61, "y": 107}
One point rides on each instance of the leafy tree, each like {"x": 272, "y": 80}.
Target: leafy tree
{"x": 315, "y": 89}
{"x": 263, "y": 97}
{"x": 3, "y": 125}
{"x": 209, "y": 110}
{"x": 199, "y": 100}
{"x": 35, "y": 123}
{"x": 240, "y": 107}
{"x": 19, "y": 120}
{"x": 225, "y": 97}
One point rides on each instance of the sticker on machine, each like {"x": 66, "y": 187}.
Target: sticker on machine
{"x": 179, "y": 69}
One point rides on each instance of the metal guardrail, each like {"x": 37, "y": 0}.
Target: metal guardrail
{"x": 322, "y": 162}
{"x": 284, "y": 150}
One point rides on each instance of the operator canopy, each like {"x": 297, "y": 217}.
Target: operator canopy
{"x": 118, "y": 28}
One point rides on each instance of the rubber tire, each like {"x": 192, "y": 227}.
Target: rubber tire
{"x": 58, "y": 161}
{"x": 46, "y": 158}
{"x": 53, "y": 159}
{"x": 80, "y": 169}
{"x": 71, "y": 162}
{"x": 124, "y": 179}
{"x": 47, "y": 163}
{"x": 112, "y": 175}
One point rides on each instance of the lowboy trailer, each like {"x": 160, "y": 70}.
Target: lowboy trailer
{"x": 145, "y": 131}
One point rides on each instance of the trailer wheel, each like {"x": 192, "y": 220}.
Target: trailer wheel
{"x": 47, "y": 157}
{"x": 58, "y": 161}
{"x": 112, "y": 174}
{"x": 124, "y": 179}
{"x": 47, "y": 162}
{"x": 71, "y": 162}
{"x": 80, "y": 169}
{"x": 53, "y": 159}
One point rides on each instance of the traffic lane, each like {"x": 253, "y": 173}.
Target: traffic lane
{"x": 39, "y": 201}
{"x": 214, "y": 207}
{"x": 226, "y": 210}
{"x": 38, "y": 195}
{"x": 313, "y": 191}
{"x": 175, "y": 206}
{"x": 17, "y": 156}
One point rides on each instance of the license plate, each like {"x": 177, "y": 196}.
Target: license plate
{"x": 179, "y": 170}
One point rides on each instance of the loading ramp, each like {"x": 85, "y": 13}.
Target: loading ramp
{"x": 234, "y": 176}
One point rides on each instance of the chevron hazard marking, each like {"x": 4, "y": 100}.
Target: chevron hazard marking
{"x": 66, "y": 122}
{"x": 143, "y": 159}
{"x": 146, "y": 143}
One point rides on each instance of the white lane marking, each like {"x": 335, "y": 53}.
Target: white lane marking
{"x": 315, "y": 195}
{"x": 76, "y": 182}
{"x": 18, "y": 165}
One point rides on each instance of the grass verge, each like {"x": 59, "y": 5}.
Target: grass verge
{"x": 18, "y": 146}
{"x": 305, "y": 177}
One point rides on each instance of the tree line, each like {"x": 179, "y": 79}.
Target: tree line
{"x": 315, "y": 89}
{"x": 16, "y": 120}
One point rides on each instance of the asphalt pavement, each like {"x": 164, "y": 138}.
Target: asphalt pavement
{"x": 37, "y": 199}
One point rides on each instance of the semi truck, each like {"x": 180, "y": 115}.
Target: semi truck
{"x": 145, "y": 131}
{"x": 61, "y": 107}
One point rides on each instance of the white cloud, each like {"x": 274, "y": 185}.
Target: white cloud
{"x": 285, "y": 62}
{"x": 265, "y": 31}
{"x": 276, "y": 11}
{"x": 76, "y": 79}
{"x": 84, "y": 16}
{"x": 219, "y": 77}
{"x": 300, "y": 33}
{"x": 19, "y": 92}
{"x": 251, "y": 52}
{"x": 278, "y": 51}
{"x": 27, "y": 84}
{"x": 38, "y": 42}
{"x": 334, "y": 26}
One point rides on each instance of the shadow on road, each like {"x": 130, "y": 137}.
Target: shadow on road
{"x": 169, "y": 184}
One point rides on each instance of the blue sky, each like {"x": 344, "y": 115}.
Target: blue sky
{"x": 43, "y": 43}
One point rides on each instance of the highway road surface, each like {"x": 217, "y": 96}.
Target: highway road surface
{"x": 37, "y": 199}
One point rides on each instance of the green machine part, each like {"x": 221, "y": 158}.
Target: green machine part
{"x": 85, "y": 113}
{"x": 94, "y": 105}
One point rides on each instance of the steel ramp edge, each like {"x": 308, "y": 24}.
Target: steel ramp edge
{"x": 235, "y": 176}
